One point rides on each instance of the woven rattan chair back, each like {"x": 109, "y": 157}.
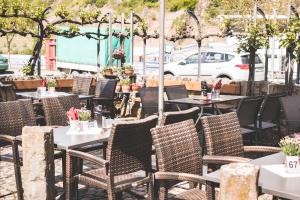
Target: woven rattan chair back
{"x": 27, "y": 111}
{"x": 81, "y": 85}
{"x": 129, "y": 146}
{"x": 11, "y": 122}
{"x": 176, "y": 92}
{"x": 7, "y": 93}
{"x": 149, "y": 100}
{"x": 55, "y": 114}
{"x": 178, "y": 116}
{"x": 69, "y": 101}
{"x": 248, "y": 109}
{"x": 270, "y": 109}
{"x": 223, "y": 135}
{"x": 291, "y": 108}
{"x": 105, "y": 88}
{"x": 177, "y": 147}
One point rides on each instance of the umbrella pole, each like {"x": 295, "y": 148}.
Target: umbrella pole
{"x": 161, "y": 58}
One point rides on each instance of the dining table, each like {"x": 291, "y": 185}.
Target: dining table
{"x": 272, "y": 177}
{"x": 36, "y": 96}
{"x": 201, "y": 101}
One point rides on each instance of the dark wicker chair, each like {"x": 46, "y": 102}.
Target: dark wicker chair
{"x": 82, "y": 85}
{"x": 7, "y": 92}
{"x": 105, "y": 94}
{"x": 179, "y": 159}
{"x": 291, "y": 108}
{"x": 269, "y": 114}
{"x": 69, "y": 101}
{"x": 223, "y": 137}
{"x": 54, "y": 112}
{"x": 177, "y": 92}
{"x": 13, "y": 116}
{"x": 247, "y": 112}
{"x": 149, "y": 100}
{"x": 128, "y": 154}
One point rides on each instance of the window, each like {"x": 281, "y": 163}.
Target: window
{"x": 194, "y": 58}
{"x": 245, "y": 59}
{"x": 213, "y": 57}
{"x": 228, "y": 57}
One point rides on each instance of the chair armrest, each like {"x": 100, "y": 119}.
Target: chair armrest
{"x": 7, "y": 138}
{"x": 88, "y": 157}
{"x": 261, "y": 149}
{"x": 179, "y": 177}
{"x": 223, "y": 159}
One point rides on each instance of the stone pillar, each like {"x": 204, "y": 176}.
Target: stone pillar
{"x": 238, "y": 181}
{"x": 38, "y": 162}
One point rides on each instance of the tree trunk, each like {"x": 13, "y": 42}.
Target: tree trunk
{"x": 35, "y": 55}
{"x": 9, "y": 41}
{"x": 266, "y": 64}
{"x": 298, "y": 69}
{"x": 289, "y": 70}
{"x": 251, "y": 72}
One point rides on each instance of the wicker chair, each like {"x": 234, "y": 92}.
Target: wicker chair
{"x": 247, "y": 112}
{"x": 179, "y": 158}
{"x": 81, "y": 85}
{"x": 291, "y": 108}
{"x": 55, "y": 114}
{"x": 269, "y": 114}
{"x": 105, "y": 93}
{"x": 7, "y": 92}
{"x": 129, "y": 152}
{"x": 223, "y": 137}
{"x": 70, "y": 101}
{"x": 177, "y": 92}
{"x": 13, "y": 116}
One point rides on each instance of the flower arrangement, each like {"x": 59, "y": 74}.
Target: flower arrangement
{"x": 218, "y": 85}
{"x": 72, "y": 114}
{"x": 118, "y": 54}
{"x": 79, "y": 114}
{"x": 43, "y": 83}
{"x": 290, "y": 146}
{"x": 51, "y": 83}
{"x": 128, "y": 66}
{"x": 27, "y": 70}
{"x": 128, "y": 70}
{"x": 125, "y": 81}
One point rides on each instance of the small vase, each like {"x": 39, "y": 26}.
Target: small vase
{"x": 292, "y": 164}
{"x": 125, "y": 88}
{"x": 51, "y": 90}
{"x": 209, "y": 96}
{"x": 217, "y": 94}
{"x": 74, "y": 124}
{"x": 84, "y": 125}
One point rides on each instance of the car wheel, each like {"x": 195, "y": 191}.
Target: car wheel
{"x": 168, "y": 74}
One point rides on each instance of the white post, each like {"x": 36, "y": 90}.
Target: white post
{"x": 131, "y": 37}
{"x": 110, "y": 38}
{"x": 161, "y": 58}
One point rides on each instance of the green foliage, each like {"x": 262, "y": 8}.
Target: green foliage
{"x": 84, "y": 115}
{"x": 98, "y": 3}
{"x": 176, "y": 5}
{"x": 180, "y": 24}
{"x": 253, "y": 40}
{"x": 290, "y": 146}
{"x": 125, "y": 81}
{"x": 290, "y": 38}
{"x": 27, "y": 70}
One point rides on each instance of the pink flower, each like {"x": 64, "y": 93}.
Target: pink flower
{"x": 43, "y": 83}
{"x": 72, "y": 114}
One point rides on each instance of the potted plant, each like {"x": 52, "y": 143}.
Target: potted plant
{"x": 135, "y": 87}
{"x": 129, "y": 70}
{"x": 125, "y": 85}
{"x": 107, "y": 71}
{"x": 51, "y": 84}
{"x": 84, "y": 116}
{"x": 291, "y": 148}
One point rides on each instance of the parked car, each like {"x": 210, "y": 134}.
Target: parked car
{"x": 217, "y": 64}
{"x": 3, "y": 64}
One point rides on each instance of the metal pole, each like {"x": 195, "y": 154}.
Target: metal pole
{"x": 39, "y": 58}
{"x": 98, "y": 48}
{"x": 273, "y": 50}
{"x": 131, "y": 38}
{"x": 144, "y": 55}
{"x": 161, "y": 59}
{"x": 110, "y": 38}
{"x": 199, "y": 59}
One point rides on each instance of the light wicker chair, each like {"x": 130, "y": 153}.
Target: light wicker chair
{"x": 223, "y": 137}
{"x": 13, "y": 116}
{"x": 179, "y": 158}
{"x": 82, "y": 85}
{"x": 128, "y": 154}
{"x": 54, "y": 112}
